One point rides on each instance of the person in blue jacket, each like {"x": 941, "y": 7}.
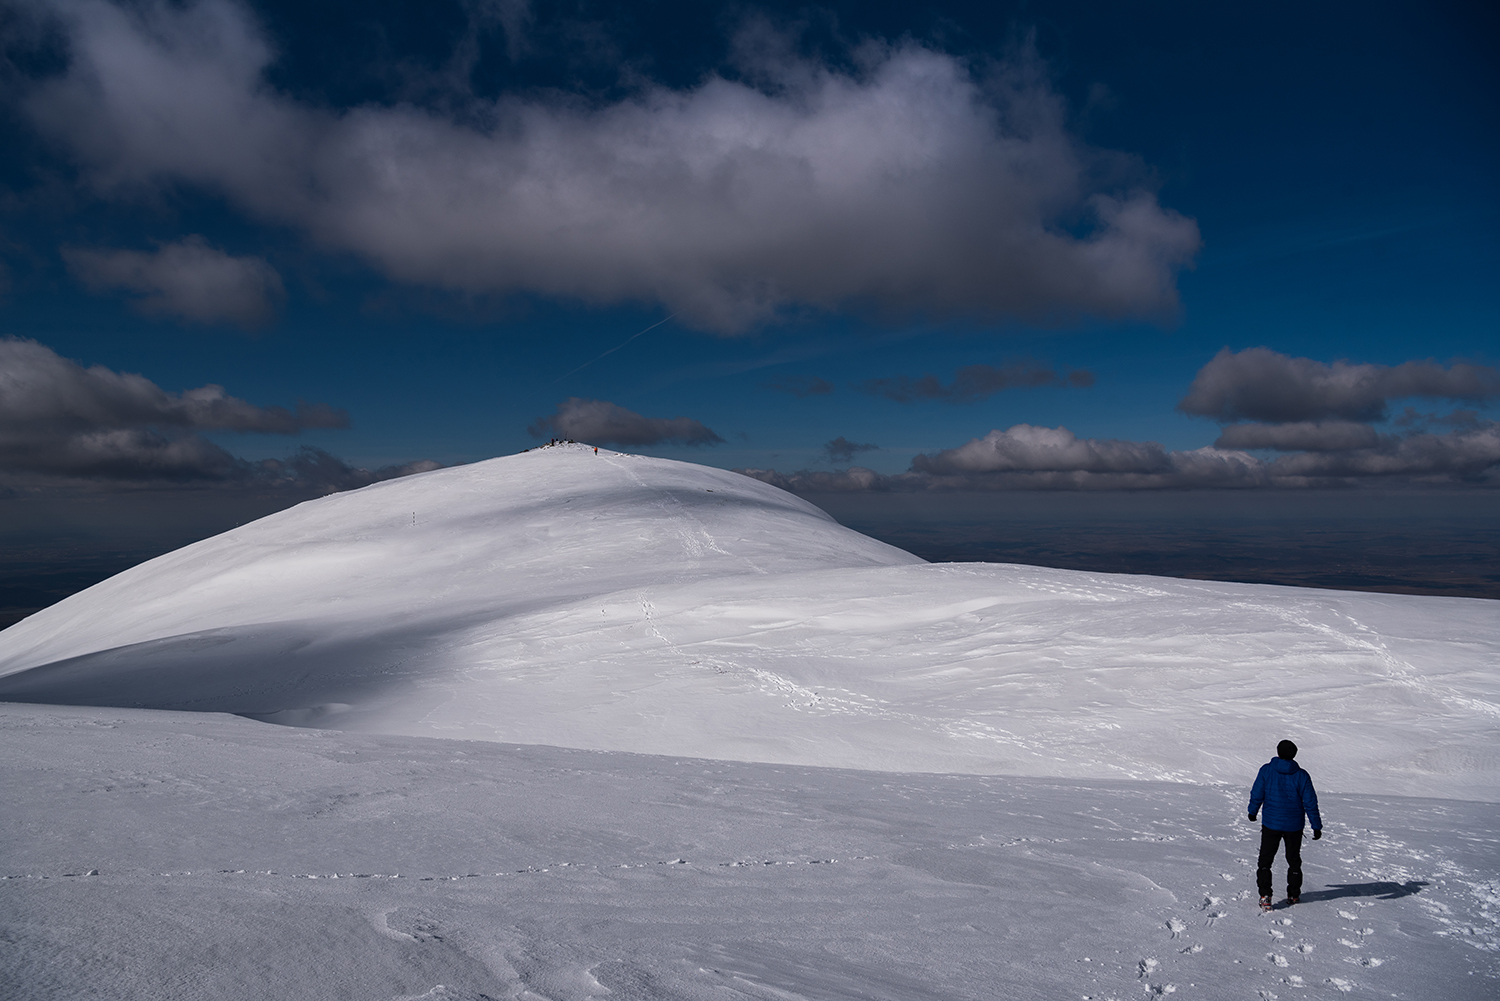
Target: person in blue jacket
{"x": 1287, "y": 793}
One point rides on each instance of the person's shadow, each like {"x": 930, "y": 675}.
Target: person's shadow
{"x": 1384, "y": 890}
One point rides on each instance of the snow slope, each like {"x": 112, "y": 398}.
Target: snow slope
{"x": 613, "y": 603}
{"x": 618, "y": 602}
{"x": 153, "y": 854}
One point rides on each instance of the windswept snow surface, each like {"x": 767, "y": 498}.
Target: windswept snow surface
{"x": 154, "y": 854}
{"x": 617, "y": 602}
{"x": 609, "y": 604}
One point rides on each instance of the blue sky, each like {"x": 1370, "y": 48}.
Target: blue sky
{"x": 341, "y": 206}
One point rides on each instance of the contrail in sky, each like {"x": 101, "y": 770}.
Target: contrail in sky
{"x": 611, "y": 351}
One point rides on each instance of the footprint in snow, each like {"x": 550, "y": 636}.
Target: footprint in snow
{"x": 1277, "y": 959}
{"x": 1348, "y": 917}
{"x": 1176, "y": 926}
{"x": 1338, "y": 984}
{"x": 1148, "y": 967}
{"x": 1193, "y": 949}
{"x": 1304, "y": 947}
{"x": 1277, "y": 934}
{"x": 1366, "y": 961}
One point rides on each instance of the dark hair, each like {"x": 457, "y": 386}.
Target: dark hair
{"x": 1286, "y": 749}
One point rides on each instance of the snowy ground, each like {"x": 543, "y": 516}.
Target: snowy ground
{"x": 239, "y": 860}
{"x": 618, "y": 602}
{"x": 1037, "y": 789}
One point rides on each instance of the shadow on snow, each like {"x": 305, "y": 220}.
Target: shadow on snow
{"x": 1385, "y": 890}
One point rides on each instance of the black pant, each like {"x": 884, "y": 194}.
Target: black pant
{"x": 1269, "y": 841}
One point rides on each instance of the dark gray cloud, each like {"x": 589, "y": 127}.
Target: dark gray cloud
{"x": 41, "y": 392}
{"x": 1412, "y": 419}
{"x": 186, "y": 280}
{"x": 905, "y": 184}
{"x": 841, "y": 449}
{"x": 1471, "y": 454}
{"x": 1258, "y": 384}
{"x": 974, "y": 382}
{"x": 61, "y": 421}
{"x": 120, "y": 454}
{"x": 800, "y": 385}
{"x": 601, "y": 422}
{"x": 1300, "y": 436}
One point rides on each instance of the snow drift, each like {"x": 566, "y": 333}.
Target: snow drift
{"x": 618, "y": 602}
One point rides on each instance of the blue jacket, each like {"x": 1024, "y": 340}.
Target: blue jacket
{"x": 1287, "y": 792}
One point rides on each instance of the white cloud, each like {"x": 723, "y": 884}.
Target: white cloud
{"x": 1040, "y": 449}
{"x": 1025, "y": 457}
{"x": 908, "y": 184}
{"x": 1039, "y": 458}
{"x": 188, "y": 280}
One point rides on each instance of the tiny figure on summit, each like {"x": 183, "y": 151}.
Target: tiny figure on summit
{"x": 1289, "y": 798}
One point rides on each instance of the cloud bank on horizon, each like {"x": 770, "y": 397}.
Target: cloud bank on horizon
{"x": 1317, "y": 414}
{"x": 910, "y": 183}
{"x": 61, "y": 422}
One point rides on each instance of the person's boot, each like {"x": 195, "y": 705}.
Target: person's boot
{"x": 1265, "y": 902}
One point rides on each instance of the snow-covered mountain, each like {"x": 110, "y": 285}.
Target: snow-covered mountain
{"x": 611, "y": 603}
{"x": 618, "y": 602}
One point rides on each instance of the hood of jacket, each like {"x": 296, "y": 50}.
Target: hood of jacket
{"x": 1283, "y": 766}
